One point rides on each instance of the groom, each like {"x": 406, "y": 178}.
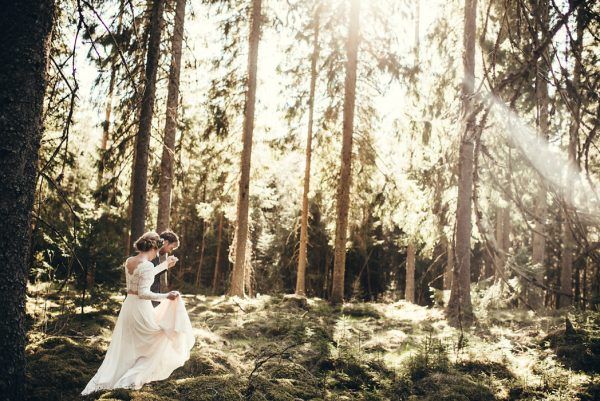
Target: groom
{"x": 170, "y": 243}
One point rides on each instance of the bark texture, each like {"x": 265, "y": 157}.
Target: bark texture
{"x": 25, "y": 28}
{"x": 460, "y": 310}
{"x": 139, "y": 180}
{"x": 302, "y": 256}
{"x": 409, "y": 292}
{"x": 565, "y": 297}
{"x": 165, "y": 184}
{"x": 237, "y": 277}
{"x": 534, "y": 294}
{"x": 343, "y": 192}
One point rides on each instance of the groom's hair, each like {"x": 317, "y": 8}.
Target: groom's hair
{"x": 170, "y": 236}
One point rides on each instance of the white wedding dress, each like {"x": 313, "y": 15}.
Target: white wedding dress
{"x": 147, "y": 343}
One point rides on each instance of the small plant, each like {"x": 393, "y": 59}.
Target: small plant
{"x": 431, "y": 356}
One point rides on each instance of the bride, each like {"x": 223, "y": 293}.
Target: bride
{"x": 147, "y": 343}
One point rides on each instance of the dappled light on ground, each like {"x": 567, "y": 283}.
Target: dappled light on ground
{"x": 285, "y": 348}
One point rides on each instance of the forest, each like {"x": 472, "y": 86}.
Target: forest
{"x": 374, "y": 199}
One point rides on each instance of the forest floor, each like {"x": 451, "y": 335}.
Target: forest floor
{"x": 280, "y": 348}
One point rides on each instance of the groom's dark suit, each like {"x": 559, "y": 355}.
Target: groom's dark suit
{"x": 155, "y": 287}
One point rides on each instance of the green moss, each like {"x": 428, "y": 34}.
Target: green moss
{"x": 263, "y": 388}
{"x": 451, "y": 387}
{"x": 361, "y": 310}
{"x": 576, "y": 349}
{"x": 117, "y": 394}
{"x": 208, "y": 388}
{"x": 591, "y": 391}
{"x": 89, "y": 324}
{"x": 357, "y": 374}
{"x": 284, "y": 379}
{"x": 204, "y": 361}
{"x": 59, "y": 368}
{"x": 486, "y": 368}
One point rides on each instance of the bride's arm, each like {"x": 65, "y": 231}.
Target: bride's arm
{"x": 160, "y": 268}
{"x": 146, "y": 280}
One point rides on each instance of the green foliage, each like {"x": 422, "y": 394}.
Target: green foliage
{"x": 431, "y": 356}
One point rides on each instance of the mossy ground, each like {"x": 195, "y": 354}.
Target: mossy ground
{"x": 282, "y": 349}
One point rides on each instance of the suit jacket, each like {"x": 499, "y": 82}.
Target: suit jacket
{"x": 156, "y": 287}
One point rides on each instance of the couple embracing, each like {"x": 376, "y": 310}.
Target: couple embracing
{"x": 153, "y": 335}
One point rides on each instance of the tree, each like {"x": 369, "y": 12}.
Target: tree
{"x": 139, "y": 180}
{"x": 459, "y": 307}
{"x": 166, "y": 163}
{"x": 217, "y": 269}
{"x": 25, "y": 27}
{"x": 565, "y": 297}
{"x": 343, "y": 192}
{"x": 409, "y": 289}
{"x": 108, "y": 108}
{"x": 534, "y": 295}
{"x": 302, "y": 258}
{"x": 409, "y": 292}
{"x": 449, "y": 266}
{"x": 237, "y": 276}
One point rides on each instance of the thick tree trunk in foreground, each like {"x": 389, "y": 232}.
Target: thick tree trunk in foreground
{"x": 142, "y": 144}
{"x": 302, "y": 257}
{"x": 343, "y": 193}
{"x": 165, "y": 183}
{"x": 460, "y": 309}
{"x": 409, "y": 292}
{"x": 25, "y": 28}
{"x": 237, "y": 277}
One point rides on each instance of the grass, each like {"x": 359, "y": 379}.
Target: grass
{"x": 285, "y": 349}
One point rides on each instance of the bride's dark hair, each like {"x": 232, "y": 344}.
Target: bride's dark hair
{"x": 148, "y": 241}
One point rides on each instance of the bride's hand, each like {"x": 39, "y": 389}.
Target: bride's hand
{"x": 173, "y": 295}
{"x": 171, "y": 260}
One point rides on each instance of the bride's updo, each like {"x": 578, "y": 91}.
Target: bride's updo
{"x": 148, "y": 241}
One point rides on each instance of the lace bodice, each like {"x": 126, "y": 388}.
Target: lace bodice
{"x": 141, "y": 279}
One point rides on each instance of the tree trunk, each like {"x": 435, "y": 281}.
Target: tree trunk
{"x": 142, "y": 146}
{"x": 25, "y": 28}
{"x": 409, "y": 292}
{"x": 165, "y": 183}
{"x": 198, "y": 280}
{"x": 217, "y": 270}
{"x": 106, "y": 127}
{"x": 502, "y": 241}
{"x": 534, "y": 294}
{"x": 237, "y": 277}
{"x": 343, "y": 192}
{"x": 448, "y": 271}
{"x": 108, "y": 110}
{"x": 460, "y": 309}
{"x": 302, "y": 257}
{"x": 566, "y": 259}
